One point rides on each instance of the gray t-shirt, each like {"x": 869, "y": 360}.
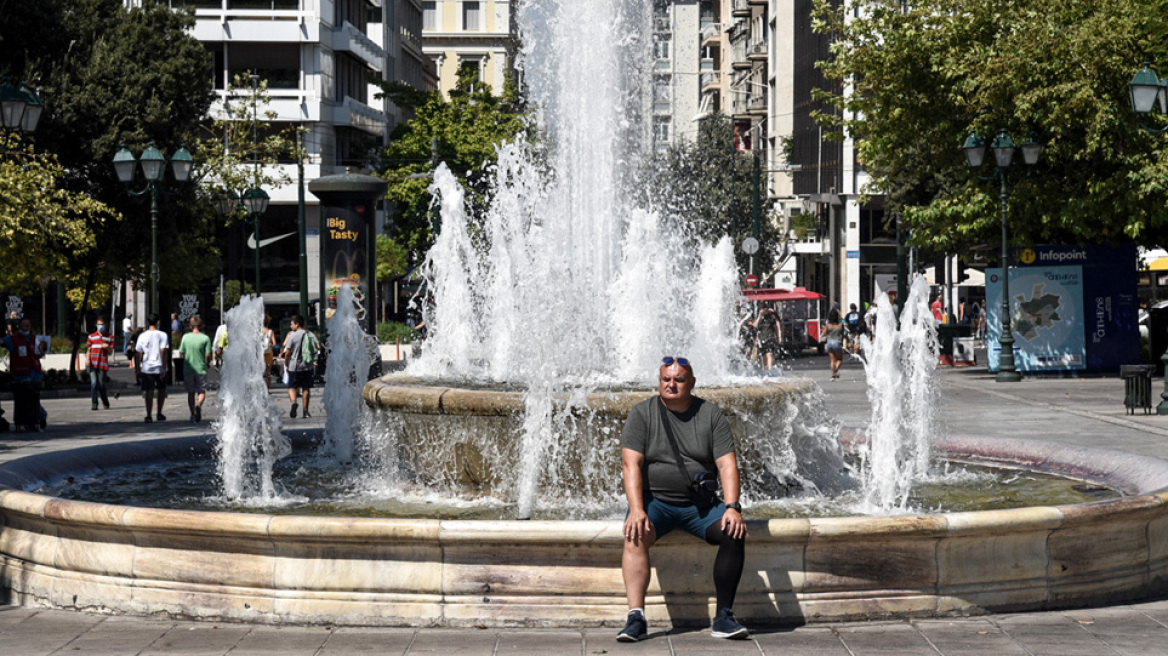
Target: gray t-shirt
{"x": 703, "y": 435}
{"x": 295, "y": 340}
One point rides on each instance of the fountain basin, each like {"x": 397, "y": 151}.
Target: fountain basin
{"x": 352, "y": 571}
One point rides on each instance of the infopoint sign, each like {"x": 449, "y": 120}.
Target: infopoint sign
{"x": 1084, "y": 321}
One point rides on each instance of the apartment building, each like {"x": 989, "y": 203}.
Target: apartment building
{"x": 473, "y": 35}
{"x": 316, "y": 57}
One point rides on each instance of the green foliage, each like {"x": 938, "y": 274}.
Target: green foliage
{"x": 927, "y": 73}
{"x": 707, "y": 185}
{"x": 41, "y": 224}
{"x": 232, "y": 293}
{"x": 392, "y": 259}
{"x": 463, "y": 133}
{"x": 239, "y": 138}
{"x": 388, "y": 332}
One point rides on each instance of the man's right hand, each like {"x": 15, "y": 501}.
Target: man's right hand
{"x": 637, "y": 526}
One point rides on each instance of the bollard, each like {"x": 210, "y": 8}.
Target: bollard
{"x": 398, "y": 346}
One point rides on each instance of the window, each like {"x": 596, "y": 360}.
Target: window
{"x": 662, "y": 88}
{"x": 430, "y": 15}
{"x": 662, "y": 46}
{"x": 661, "y": 128}
{"x": 472, "y": 16}
{"x": 472, "y": 67}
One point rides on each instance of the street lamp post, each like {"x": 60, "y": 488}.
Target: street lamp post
{"x": 1003, "y": 147}
{"x": 153, "y": 164}
{"x": 1144, "y": 90}
{"x": 20, "y": 108}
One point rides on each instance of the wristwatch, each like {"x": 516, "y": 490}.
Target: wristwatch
{"x": 734, "y": 506}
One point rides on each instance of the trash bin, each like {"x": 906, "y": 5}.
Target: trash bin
{"x": 1137, "y": 386}
{"x": 946, "y": 333}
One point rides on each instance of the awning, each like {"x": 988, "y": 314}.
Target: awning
{"x": 796, "y": 294}
{"x": 1158, "y": 264}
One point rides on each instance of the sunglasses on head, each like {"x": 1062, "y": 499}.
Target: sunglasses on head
{"x": 669, "y": 359}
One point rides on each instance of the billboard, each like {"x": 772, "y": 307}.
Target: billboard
{"x": 1048, "y": 322}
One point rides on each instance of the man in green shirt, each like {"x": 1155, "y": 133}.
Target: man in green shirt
{"x": 195, "y": 349}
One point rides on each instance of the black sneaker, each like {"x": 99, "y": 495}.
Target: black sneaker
{"x": 94, "y": 408}
{"x": 149, "y": 419}
{"x": 306, "y": 413}
{"x": 192, "y": 417}
{"x": 725, "y": 626}
{"x": 635, "y": 629}
{"x": 160, "y": 417}
{"x": 198, "y": 413}
{"x": 292, "y": 413}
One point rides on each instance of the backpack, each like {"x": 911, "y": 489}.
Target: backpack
{"x": 309, "y": 348}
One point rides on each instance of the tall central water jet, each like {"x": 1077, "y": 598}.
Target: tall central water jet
{"x": 569, "y": 284}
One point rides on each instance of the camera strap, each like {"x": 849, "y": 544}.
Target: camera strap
{"x": 673, "y": 442}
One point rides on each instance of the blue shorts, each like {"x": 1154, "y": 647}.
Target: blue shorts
{"x": 666, "y": 516}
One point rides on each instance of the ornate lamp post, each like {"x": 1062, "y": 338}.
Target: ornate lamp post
{"x": 154, "y": 171}
{"x": 1003, "y": 147}
{"x": 1145, "y": 89}
{"x": 20, "y": 108}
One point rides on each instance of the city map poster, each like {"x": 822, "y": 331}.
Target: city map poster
{"x": 1048, "y": 325}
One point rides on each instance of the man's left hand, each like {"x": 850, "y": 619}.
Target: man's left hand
{"x": 733, "y": 525}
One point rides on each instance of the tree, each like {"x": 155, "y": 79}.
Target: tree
{"x": 392, "y": 259}
{"x": 111, "y": 76}
{"x": 40, "y": 223}
{"x": 922, "y": 75}
{"x": 707, "y": 185}
{"x": 462, "y": 132}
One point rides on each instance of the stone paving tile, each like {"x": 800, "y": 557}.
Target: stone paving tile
{"x": 384, "y": 642}
{"x": 884, "y": 639}
{"x": 701, "y": 643}
{"x": 539, "y": 642}
{"x": 805, "y": 640}
{"x": 198, "y": 638}
{"x": 281, "y": 641}
{"x": 603, "y": 641}
{"x": 10, "y": 615}
{"x": 968, "y": 637}
{"x": 460, "y": 642}
{"x": 45, "y": 632}
{"x": 1053, "y": 634}
{"x": 117, "y": 636}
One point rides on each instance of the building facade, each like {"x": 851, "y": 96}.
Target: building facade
{"x": 472, "y": 35}
{"x": 315, "y": 58}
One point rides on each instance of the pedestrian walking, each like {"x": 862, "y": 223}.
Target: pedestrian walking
{"x": 769, "y": 336}
{"x": 152, "y": 349}
{"x": 195, "y": 349}
{"x": 299, "y": 353}
{"x": 835, "y": 342}
{"x": 101, "y": 349}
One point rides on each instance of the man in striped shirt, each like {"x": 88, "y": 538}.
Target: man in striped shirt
{"x": 101, "y": 347}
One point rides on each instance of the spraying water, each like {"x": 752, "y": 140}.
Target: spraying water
{"x": 249, "y": 438}
{"x": 568, "y": 284}
{"x": 348, "y": 364}
{"x": 902, "y": 387}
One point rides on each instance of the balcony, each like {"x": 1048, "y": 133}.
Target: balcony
{"x": 711, "y": 33}
{"x": 739, "y": 56}
{"x": 757, "y": 2}
{"x": 350, "y": 39}
{"x": 757, "y": 105}
{"x": 740, "y": 8}
{"x": 757, "y": 51}
{"x": 662, "y": 24}
{"x": 711, "y": 79}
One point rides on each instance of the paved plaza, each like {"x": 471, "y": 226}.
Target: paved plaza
{"x": 1080, "y": 411}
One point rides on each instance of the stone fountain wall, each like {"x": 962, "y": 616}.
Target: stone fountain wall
{"x": 287, "y": 569}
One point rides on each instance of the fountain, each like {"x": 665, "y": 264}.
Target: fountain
{"x": 546, "y": 327}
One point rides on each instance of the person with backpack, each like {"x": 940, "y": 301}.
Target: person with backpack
{"x": 855, "y": 325}
{"x": 300, "y": 353}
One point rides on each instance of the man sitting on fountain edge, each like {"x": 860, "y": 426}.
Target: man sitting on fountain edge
{"x": 660, "y": 497}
